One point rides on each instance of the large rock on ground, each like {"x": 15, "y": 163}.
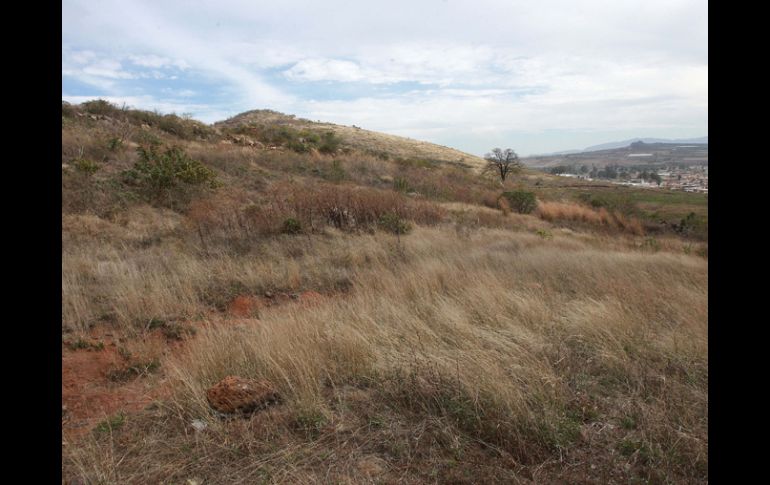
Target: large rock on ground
{"x": 237, "y": 394}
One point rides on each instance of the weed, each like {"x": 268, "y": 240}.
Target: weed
{"x": 81, "y": 344}
{"x": 292, "y": 226}
{"x": 133, "y": 371}
{"x": 113, "y": 423}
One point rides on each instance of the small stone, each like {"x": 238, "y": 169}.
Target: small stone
{"x": 199, "y": 425}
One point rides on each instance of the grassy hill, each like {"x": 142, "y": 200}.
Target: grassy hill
{"x": 258, "y": 122}
{"x": 416, "y": 326}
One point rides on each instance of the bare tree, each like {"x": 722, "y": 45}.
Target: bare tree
{"x": 502, "y": 162}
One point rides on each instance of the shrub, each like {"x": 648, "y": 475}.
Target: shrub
{"x": 521, "y": 201}
{"x": 99, "y": 107}
{"x": 329, "y": 143}
{"x": 86, "y": 166}
{"x": 292, "y": 226}
{"x": 115, "y": 144}
{"x": 159, "y": 173}
{"x": 392, "y": 222}
{"x": 67, "y": 111}
{"x": 400, "y": 184}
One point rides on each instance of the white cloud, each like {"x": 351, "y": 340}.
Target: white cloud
{"x": 158, "y": 61}
{"x": 481, "y": 68}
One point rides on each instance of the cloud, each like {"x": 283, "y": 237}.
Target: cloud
{"x": 158, "y": 61}
{"x": 454, "y": 71}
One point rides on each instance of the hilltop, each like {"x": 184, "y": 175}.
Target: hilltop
{"x": 271, "y": 300}
{"x": 376, "y": 143}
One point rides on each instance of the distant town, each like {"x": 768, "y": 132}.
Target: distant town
{"x": 653, "y": 165}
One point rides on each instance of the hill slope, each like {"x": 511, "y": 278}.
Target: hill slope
{"x": 411, "y": 324}
{"x": 374, "y": 142}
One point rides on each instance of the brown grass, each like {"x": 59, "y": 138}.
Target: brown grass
{"x": 505, "y": 339}
{"x": 483, "y": 347}
{"x": 570, "y": 212}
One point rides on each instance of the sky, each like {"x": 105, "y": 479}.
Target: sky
{"x": 537, "y": 77}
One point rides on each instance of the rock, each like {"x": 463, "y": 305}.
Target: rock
{"x": 237, "y": 394}
{"x": 199, "y": 425}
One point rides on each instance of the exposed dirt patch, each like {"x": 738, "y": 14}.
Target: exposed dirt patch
{"x": 89, "y": 395}
{"x": 311, "y": 298}
{"x": 245, "y": 306}
{"x": 102, "y": 376}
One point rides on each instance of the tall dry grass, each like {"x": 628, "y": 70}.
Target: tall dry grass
{"x": 570, "y": 212}
{"x": 527, "y": 345}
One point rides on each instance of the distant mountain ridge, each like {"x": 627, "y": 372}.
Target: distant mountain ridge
{"x": 625, "y": 143}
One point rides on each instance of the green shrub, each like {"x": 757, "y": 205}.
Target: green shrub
{"x": 393, "y": 223}
{"x": 329, "y": 143}
{"x": 400, "y": 184}
{"x": 67, "y": 111}
{"x": 86, "y": 166}
{"x": 115, "y": 144}
{"x": 292, "y": 226}
{"x": 336, "y": 173}
{"x": 159, "y": 173}
{"x": 298, "y": 146}
{"x": 99, "y": 107}
{"x": 521, "y": 201}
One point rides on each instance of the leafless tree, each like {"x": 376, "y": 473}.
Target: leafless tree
{"x": 502, "y": 162}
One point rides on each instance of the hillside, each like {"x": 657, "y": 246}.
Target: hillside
{"x": 376, "y": 143}
{"x": 257, "y": 301}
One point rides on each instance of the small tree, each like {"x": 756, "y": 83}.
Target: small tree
{"x": 502, "y": 162}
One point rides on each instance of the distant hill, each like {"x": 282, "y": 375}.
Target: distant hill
{"x": 625, "y": 143}
{"x": 637, "y": 152}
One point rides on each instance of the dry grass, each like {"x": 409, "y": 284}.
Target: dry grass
{"x": 504, "y": 338}
{"x": 570, "y": 212}
{"x": 483, "y": 347}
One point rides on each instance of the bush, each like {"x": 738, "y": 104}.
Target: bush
{"x": 99, "y": 107}
{"x": 292, "y": 226}
{"x": 86, "y": 166}
{"x": 329, "y": 143}
{"x": 67, "y": 111}
{"x": 392, "y": 222}
{"x": 521, "y": 201}
{"x": 160, "y": 173}
{"x": 336, "y": 173}
{"x": 400, "y": 184}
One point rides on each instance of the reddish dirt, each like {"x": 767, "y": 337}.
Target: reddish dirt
{"x": 244, "y": 306}
{"x": 89, "y": 396}
{"x": 310, "y": 298}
